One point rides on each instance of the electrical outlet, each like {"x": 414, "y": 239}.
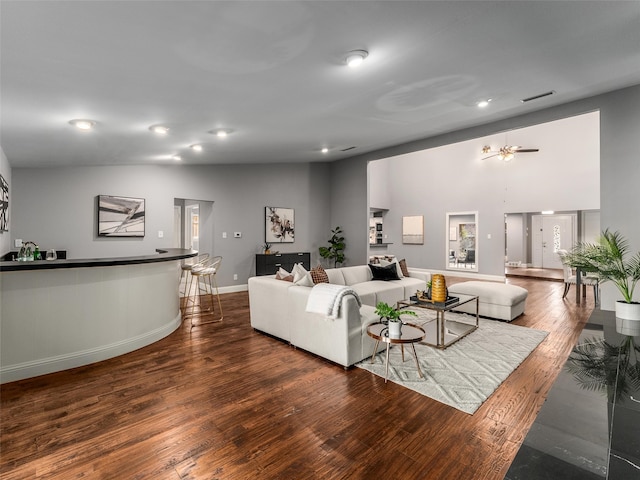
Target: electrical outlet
{"x": 160, "y": 234}
{"x": 224, "y": 234}
{"x": 489, "y": 236}
{"x": 235, "y": 276}
{"x": 18, "y": 242}
{"x": 237, "y": 234}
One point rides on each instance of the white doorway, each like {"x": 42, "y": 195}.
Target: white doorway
{"x": 550, "y": 234}
{"x": 192, "y": 227}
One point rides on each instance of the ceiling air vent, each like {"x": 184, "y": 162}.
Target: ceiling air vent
{"x": 347, "y": 149}
{"x": 536, "y": 97}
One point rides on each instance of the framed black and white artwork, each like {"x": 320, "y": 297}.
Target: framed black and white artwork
{"x": 279, "y": 225}
{"x": 4, "y": 205}
{"x": 120, "y": 216}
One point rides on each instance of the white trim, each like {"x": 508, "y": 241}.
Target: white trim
{"x": 77, "y": 359}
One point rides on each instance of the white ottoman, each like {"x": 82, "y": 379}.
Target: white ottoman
{"x": 495, "y": 300}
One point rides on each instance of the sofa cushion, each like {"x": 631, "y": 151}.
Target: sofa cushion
{"x": 386, "y": 273}
{"x": 318, "y": 275}
{"x": 356, "y": 274}
{"x": 335, "y": 276}
{"x": 301, "y": 276}
{"x": 403, "y": 267}
{"x": 375, "y": 291}
{"x": 384, "y": 263}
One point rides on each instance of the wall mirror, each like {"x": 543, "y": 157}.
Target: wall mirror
{"x": 462, "y": 241}
{"x": 413, "y": 229}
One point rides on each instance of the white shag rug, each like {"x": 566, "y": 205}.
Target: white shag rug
{"x": 465, "y": 374}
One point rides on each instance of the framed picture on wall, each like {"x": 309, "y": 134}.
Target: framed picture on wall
{"x": 4, "y": 205}
{"x": 120, "y": 216}
{"x": 279, "y": 225}
{"x": 413, "y": 230}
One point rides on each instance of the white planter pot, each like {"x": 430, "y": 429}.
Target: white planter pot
{"x": 395, "y": 329}
{"x": 628, "y": 318}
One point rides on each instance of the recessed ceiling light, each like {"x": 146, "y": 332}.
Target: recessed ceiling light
{"x": 325, "y": 150}
{"x": 355, "y": 58}
{"x": 177, "y": 158}
{"x": 483, "y": 103}
{"x": 159, "y": 129}
{"x": 196, "y": 147}
{"x": 221, "y": 132}
{"x": 83, "y": 124}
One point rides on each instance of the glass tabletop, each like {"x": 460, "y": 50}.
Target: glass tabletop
{"x": 410, "y": 333}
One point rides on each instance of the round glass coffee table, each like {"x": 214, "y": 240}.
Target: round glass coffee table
{"x": 410, "y": 334}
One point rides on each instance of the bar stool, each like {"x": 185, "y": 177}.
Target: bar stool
{"x": 205, "y": 275}
{"x": 186, "y": 267}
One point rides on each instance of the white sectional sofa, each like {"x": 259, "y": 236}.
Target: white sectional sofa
{"x": 278, "y": 308}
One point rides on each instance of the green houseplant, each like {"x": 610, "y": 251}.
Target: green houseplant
{"x": 392, "y": 316}
{"x": 335, "y": 250}
{"x": 607, "y": 259}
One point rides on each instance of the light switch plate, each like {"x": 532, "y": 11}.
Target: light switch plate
{"x": 18, "y": 242}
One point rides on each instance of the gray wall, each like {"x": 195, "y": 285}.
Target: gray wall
{"x": 619, "y": 162}
{"x": 455, "y": 178}
{"x": 55, "y": 207}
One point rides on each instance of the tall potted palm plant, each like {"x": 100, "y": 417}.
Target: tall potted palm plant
{"x": 607, "y": 259}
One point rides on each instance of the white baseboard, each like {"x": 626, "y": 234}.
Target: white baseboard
{"x": 234, "y": 288}
{"x": 58, "y": 363}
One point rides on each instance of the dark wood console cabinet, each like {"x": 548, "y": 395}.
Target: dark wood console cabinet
{"x": 269, "y": 264}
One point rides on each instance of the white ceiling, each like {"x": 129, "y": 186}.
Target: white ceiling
{"x": 274, "y": 73}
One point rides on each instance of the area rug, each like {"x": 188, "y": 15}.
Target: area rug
{"x": 465, "y": 374}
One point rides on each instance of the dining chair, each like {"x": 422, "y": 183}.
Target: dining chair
{"x": 570, "y": 278}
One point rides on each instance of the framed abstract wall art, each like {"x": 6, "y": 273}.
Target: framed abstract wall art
{"x": 4, "y": 205}
{"x": 413, "y": 230}
{"x": 120, "y": 216}
{"x": 279, "y": 225}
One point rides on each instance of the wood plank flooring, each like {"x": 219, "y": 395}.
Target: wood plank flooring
{"x": 222, "y": 401}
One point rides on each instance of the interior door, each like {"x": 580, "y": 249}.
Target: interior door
{"x": 557, "y": 234}
{"x": 549, "y": 234}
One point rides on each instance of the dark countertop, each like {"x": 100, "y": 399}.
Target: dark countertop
{"x": 589, "y": 425}
{"x": 162, "y": 255}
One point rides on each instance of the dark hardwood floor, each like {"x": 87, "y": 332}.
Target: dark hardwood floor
{"x": 224, "y": 402}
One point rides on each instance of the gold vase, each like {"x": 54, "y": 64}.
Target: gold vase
{"x": 438, "y": 288}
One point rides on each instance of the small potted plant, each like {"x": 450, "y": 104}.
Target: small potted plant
{"x": 267, "y": 248}
{"x": 606, "y": 259}
{"x": 392, "y": 317}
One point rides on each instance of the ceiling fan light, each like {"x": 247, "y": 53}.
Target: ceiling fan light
{"x": 483, "y": 103}
{"x": 196, "y": 147}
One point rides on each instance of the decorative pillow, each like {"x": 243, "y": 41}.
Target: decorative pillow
{"x": 389, "y": 272}
{"x": 384, "y": 263}
{"x": 286, "y": 278}
{"x": 403, "y": 267}
{"x": 318, "y": 275}
{"x": 301, "y": 276}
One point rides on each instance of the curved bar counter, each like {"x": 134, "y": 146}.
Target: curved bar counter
{"x": 61, "y": 314}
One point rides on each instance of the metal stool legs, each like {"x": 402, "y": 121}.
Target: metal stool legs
{"x": 205, "y": 275}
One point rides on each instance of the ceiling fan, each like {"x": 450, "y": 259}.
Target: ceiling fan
{"x": 507, "y": 152}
